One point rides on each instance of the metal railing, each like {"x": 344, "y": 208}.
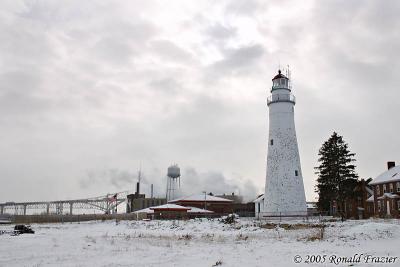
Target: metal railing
{"x": 281, "y": 98}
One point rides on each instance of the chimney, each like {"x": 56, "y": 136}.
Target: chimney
{"x": 390, "y": 164}
{"x": 137, "y": 188}
{"x": 152, "y": 191}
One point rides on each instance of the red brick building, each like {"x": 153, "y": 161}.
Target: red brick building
{"x": 216, "y": 204}
{"x": 358, "y": 206}
{"x": 170, "y": 211}
{"x": 387, "y": 192}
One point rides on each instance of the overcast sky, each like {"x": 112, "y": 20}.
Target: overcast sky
{"x": 89, "y": 90}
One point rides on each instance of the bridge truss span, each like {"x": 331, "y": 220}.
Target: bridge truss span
{"x": 107, "y": 204}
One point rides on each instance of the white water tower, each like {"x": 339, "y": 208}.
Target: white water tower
{"x": 173, "y": 182}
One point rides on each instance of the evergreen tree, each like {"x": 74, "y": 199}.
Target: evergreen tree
{"x": 336, "y": 173}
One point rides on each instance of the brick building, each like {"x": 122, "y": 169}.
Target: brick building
{"x": 387, "y": 192}
{"x": 203, "y": 201}
{"x": 358, "y": 206}
{"x": 170, "y": 211}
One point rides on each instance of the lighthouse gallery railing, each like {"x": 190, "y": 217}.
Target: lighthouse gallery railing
{"x": 281, "y": 98}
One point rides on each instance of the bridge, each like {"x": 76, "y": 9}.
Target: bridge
{"x": 107, "y": 204}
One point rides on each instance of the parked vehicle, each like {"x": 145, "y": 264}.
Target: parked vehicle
{"x": 23, "y": 229}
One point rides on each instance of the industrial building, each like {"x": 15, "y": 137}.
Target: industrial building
{"x": 139, "y": 201}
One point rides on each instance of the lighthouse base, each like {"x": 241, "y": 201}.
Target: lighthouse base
{"x": 283, "y": 214}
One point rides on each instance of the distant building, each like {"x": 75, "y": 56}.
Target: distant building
{"x": 203, "y": 201}
{"x": 359, "y": 206}
{"x": 138, "y": 201}
{"x": 387, "y": 192}
{"x": 259, "y": 205}
{"x": 312, "y": 209}
{"x": 192, "y": 212}
{"x": 235, "y": 198}
{"x": 170, "y": 211}
{"x": 134, "y": 203}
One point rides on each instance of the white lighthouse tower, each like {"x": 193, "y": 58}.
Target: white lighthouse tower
{"x": 284, "y": 189}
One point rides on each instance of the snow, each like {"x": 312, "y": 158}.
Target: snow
{"x": 391, "y": 175}
{"x": 388, "y": 195}
{"x": 146, "y": 210}
{"x": 199, "y": 242}
{"x": 191, "y": 210}
{"x": 200, "y": 197}
{"x": 169, "y": 207}
{"x": 198, "y": 210}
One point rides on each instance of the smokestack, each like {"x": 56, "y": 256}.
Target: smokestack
{"x": 391, "y": 164}
{"x": 137, "y": 188}
{"x": 151, "y": 191}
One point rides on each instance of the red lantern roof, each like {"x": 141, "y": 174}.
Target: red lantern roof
{"x": 279, "y": 75}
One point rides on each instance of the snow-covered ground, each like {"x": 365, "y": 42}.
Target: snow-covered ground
{"x": 197, "y": 243}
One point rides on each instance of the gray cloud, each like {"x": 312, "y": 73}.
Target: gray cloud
{"x": 220, "y": 32}
{"x": 236, "y": 61}
{"x": 104, "y": 86}
{"x": 119, "y": 179}
{"x": 194, "y": 182}
{"x": 167, "y": 50}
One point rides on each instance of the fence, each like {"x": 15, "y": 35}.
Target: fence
{"x": 27, "y": 219}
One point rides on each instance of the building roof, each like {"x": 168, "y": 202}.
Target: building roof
{"x": 369, "y": 190}
{"x": 189, "y": 209}
{"x": 279, "y": 75}
{"x": 259, "y": 199}
{"x": 391, "y": 175}
{"x": 198, "y": 210}
{"x": 170, "y": 207}
{"x": 200, "y": 198}
{"x": 146, "y": 210}
{"x": 370, "y": 199}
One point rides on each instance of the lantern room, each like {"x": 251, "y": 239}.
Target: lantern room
{"x": 280, "y": 81}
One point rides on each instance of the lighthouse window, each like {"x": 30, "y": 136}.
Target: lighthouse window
{"x": 272, "y": 142}
{"x": 296, "y": 173}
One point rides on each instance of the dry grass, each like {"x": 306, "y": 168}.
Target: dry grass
{"x": 242, "y": 237}
{"x": 287, "y": 226}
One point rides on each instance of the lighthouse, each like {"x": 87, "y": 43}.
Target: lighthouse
{"x": 284, "y": 189}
